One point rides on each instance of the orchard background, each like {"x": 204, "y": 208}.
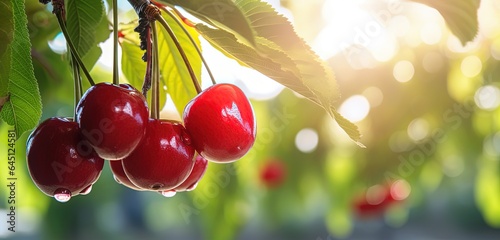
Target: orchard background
{"x": 419, "y": 79}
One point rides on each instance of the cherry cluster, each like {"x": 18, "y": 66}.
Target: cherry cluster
{"x": 65, "y": 156}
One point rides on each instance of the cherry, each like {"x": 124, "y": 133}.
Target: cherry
{"x": 59, "y": 161}
{"x": 163, "y": 159}
{"x": 200, "y": 166}
{"x": 221, "y": 122}
{"x": 273, "y": 173}
{"x": 379, "y": 197}
{"x": 112, "y": 118}
{"x": 120, "y": 176}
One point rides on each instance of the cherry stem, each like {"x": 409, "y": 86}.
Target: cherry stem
{"x": 149, "y": 63}
{"x": 72, "y": 47}
{"x": 77, "y": 83}
{"x": 116, "y": 79}
{"x": 181, "y": 51}
{"x": 155, "y": 95}
{"x": 198, "y": 50}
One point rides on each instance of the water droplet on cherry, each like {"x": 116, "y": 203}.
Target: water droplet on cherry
{"x": 62, "y": 195}
{"x": 192, "y": 187}
{"x": 86, "y": 190}
{"x": 168, "y": 193}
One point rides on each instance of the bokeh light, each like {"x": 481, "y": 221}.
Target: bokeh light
{"x": 418, "y": 129}
{"x": 431, "y": 33}
{"x": 487, "y": 97}
{"x": 306, "y": 140}
{"x": 375, "y": 194}
{"x": 355, "y": 108}
{"x": 400, "y": 190}
{"x": 403, "y": 71}
{"x": 453, "y": 166}
{"x": 471, "y": 66}
{"x": 374, "y": 95}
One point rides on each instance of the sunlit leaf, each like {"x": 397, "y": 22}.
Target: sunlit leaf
{"x": 228, "y": 43}
{"x": 174, "y": 73}
{"x": 220, "y": 13}
{"x": 24, "y": 108}
{"x": 133, "y": 67}
{"x": 460, "y": 16}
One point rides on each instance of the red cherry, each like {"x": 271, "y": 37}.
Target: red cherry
{"x": 221, "y": 122}
{"x": 112, "y": 118}
{"x": 200, "y": 166}
{"x": 379, "y": 197}
{"x": 163, "y": 159}
{"x": 60, "y": 162}
{"x": 120, "y": 176}
{"x": 273, "y": 173}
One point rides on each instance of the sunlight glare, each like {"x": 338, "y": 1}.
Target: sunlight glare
{"x": 355, "y": 108}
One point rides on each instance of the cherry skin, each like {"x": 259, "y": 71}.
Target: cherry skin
{"x": 163, "y": 159}
{"x": 120, "y": 176}
{"x": 273, "y": 173}
{"x": 221, "y": 123}
{"x": 113, "y": 119}
{"x": 59, "y": 160}
{"x": 200, "y": 166}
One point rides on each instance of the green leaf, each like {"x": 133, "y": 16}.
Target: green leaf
{"x": 24, "y": 108}
{"x": 283, "y": 56}
{"x": 460, "y": 16}
{"x": 5, "y": 71}
{"x": 101, "y": 34}
{"x": 6, "y": 25}
{"x": 92, "y": 56}
{"x": 6, "y": 35}
{"x": 221, "y": 14}
{"x": 133, "y": 67}
{"x": 174, "y": 73}
{"x": 83, "y": 17}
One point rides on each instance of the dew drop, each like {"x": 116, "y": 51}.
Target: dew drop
{"x": 168, "y": 193}
{"x": 186, "y": 138}
{"x": 62, "y": 195}
{"x": 86, "y": 190}
{"x": 192, "y": 187}
{"x": 156, "y": 186}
